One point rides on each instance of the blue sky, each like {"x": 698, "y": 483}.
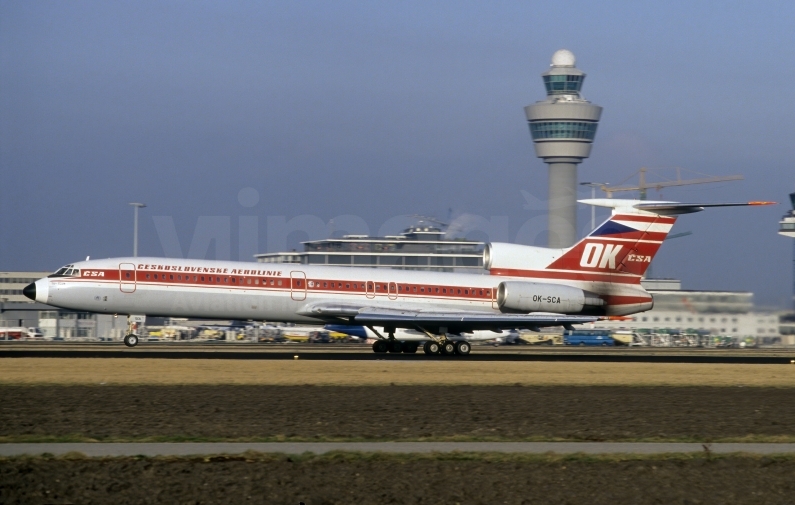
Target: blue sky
{"x": 379, "y": 110}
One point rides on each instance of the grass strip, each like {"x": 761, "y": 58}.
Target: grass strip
{"x": 37, "y": 439}
{"x": 380, "y": 457}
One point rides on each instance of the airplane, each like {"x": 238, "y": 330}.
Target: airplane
{"x": 527, "y": 287}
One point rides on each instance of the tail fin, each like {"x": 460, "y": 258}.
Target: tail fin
{"x": 625, "y": 244}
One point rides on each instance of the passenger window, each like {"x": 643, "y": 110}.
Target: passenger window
{"x": 414, "y": 289}
{"x": 256, "y": 281}
{"x": 444, "y": 290}
{"x": 459, "y": 291}
{"x": 280, "y": 282}
{"x": 147, "y": 276}
{"x": 179, "y": 277}
{"x": 422, "y": 289}
{"x": 226, "y": 280}
{"x": 234, "y": 281}
{"x": 127, "y": 274}
{"x": 437, "y": 290}
{"x": 202, "y": 278}
{"x": 248, "y": 281}
{"x": 325, "y": 284}
{"x": 171, "y": 277}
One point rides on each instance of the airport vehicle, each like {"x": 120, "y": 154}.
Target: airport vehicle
{"x": 21, "y": 333}
{"x": 588, "y": 337}
{"x": 528, "y": 287}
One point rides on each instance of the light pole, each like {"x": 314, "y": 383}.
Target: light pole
{"x": 593, "y": 186}
{"x": 135, "y": 227}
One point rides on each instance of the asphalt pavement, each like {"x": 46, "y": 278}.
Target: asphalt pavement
{"x": 199, "y": 448}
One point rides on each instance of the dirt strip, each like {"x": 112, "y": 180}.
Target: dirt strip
{"x": 399, "y": 480}
{"x": 275, "y": 413}
{"x": 374, "y": 373}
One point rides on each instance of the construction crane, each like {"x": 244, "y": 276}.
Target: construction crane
{"x": 643, "y": 185}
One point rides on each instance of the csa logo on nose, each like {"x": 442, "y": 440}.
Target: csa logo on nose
{"x": 603, "y": 255}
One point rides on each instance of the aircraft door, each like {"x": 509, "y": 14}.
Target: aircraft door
{"x": 369, "y": 289}
{"x": 127, "y": 277}
{"x": 393, "y": 291}
{"x": 297, "y": 285}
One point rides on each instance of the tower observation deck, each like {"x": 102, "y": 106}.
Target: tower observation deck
{"x": 563, "y": 128}
{"x": 786, "y": 227}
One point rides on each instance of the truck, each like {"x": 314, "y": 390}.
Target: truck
{"x": 21, "y": 333}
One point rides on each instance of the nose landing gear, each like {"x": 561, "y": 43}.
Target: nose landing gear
{"x": 131, "y": 339}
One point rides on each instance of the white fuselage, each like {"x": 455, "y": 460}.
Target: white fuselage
{"x": 275, "y": 292}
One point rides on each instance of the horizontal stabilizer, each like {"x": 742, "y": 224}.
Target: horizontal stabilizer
{"x": 664, "y": 208}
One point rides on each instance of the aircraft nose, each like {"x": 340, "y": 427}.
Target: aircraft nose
{"x": 30, "y": 291}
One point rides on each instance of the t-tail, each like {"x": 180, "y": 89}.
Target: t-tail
{"x": 619, "y": 251}
{"x": 625, "y": 245}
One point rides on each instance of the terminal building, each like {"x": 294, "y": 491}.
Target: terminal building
{"x": 416, "y": 248}
{"x": 720, "y": 313}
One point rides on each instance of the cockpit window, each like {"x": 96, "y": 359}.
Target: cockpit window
{"x": 66, "y": 271}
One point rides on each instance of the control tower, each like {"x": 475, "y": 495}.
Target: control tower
{"x": 563, "y": 128}
{"x": 786, "y": 227}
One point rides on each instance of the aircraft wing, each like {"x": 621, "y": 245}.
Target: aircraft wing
{"x": 432, "y": 320}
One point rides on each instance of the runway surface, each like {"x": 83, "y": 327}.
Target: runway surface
{"x": 190, "y": 449}
{"x": 349, "y": 352}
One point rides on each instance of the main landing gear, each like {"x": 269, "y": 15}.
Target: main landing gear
{"x": 438, "y": 345}
{"x": 395, "y": 346}
{"x": 447, "y": 348}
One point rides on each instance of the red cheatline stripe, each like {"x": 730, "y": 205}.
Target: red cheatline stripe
{"x": 571, "y": 276}
{"x": 224, "y": 281}
{"x": 626, "y": 300}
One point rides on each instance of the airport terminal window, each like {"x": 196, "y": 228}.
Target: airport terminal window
{"x": 584, "y": 130}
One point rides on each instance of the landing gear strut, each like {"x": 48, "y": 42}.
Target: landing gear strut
{"x": 442, "y": 345}
{"x": 131, "y": 339}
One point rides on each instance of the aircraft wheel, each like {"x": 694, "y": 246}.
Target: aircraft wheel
{"x": 380, "y": 346}
{"x": 431, "y": 348}
{"x": 463, "y": 348}
{"x": 394, "y": 346}
{"x": 410, "y": 347}
{"x": 448, "y": 348}
{"x": 131, "y": 340}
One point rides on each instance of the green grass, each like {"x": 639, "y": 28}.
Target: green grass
{"x": 485, "y": 457}
{"x": 78, "y": 438}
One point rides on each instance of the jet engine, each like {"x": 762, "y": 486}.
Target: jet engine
{"x": 518, "y": 296}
